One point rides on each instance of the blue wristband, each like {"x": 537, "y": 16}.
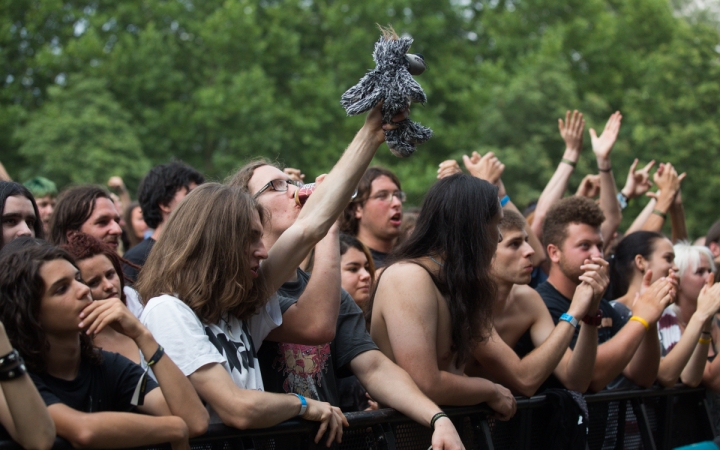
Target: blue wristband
{"x": 303, "y": 403}
{"x": 504, "y": 201}
{"x": 569, "y": 319}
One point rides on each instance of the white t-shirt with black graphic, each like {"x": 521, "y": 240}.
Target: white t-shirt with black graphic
{"x": 192, "y": 344}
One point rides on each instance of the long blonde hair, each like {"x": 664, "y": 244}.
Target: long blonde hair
{"x": 201, "y": 256}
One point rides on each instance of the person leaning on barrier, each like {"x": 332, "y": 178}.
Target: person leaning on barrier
{"x": 91, "y": 394}
{"x": 571, "y": 233}
{"x": 338, "y": 345}
{"x": 434, "y": 300}
{"x": 685, "y": 327}
{"x": 221, "y": 309}
{"x": 525, "y": 346}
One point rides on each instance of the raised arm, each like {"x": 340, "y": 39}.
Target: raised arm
{"x": 326, "y": 203}
{"x": 313, "y": 319}
{"x": 695, "y": 346}
{"x": 176, "y": 395}
{"x": 644, "y": 215}
{"x": 668, "y": 183}
{"x": 22, "y": 410}
{"x": 602, "y": 147}
{"x": 571, "y": 130}
{"x": 677, "y": 219}
{"x": 616, "y": 355}
{"x": 4, "y": 176}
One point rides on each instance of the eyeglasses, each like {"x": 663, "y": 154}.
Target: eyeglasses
{"x": 387, "y": 196}
{"x": 277, "y": 185}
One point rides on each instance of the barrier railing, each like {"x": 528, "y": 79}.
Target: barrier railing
{"x": 650, "y": 419}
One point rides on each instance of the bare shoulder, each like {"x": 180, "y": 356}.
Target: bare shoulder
{"x": 527, "y": 297}
{"x": 405, "y": 281}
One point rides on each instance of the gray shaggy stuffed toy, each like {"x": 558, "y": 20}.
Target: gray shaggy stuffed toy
{"x": 391, "y": 81}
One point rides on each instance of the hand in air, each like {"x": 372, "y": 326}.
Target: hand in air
{"x": 638, "y": 181}
{"x": 487, "y": 167}
{"x": 572, "y": 130}
{"x": 447, "y": 168}
{"x": 602, "y": 145}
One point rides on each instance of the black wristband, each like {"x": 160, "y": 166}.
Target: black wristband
{"x": 435, "y": 418}
{"x": 156, "y": 356}
{"x": 10, "y": 360}
{"x": 13, "y": 372}
{"x": 609, "y": 169}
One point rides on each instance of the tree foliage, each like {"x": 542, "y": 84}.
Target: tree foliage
{"x": 99, "y": 87}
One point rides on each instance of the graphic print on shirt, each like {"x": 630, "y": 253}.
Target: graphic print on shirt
{"x": 241, "y": 354}
{"x": 303, "y": 367}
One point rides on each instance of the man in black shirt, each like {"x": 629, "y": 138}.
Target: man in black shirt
{"x": 375, "y": 214}
{"x": 572, "y": 237}
{"x": 160, "y": 192}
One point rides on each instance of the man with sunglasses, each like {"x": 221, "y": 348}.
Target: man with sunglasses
{"x": 375, "y": 215}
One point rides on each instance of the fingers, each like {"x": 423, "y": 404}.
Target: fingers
{"x": 682, "y": 177}
{"x": 593, "y": 135}
{"x": 646, "y": 279}
{"x": 633, "y": 166}
{"x": 649, "y": 166}
{"x": 710, "y": 279}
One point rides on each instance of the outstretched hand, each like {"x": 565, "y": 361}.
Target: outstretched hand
{"x": 638, "y": 181}
{"x": 708, "y": 302}
{"x": 667, "y": 179}
{"x": 376, "y": 127}
{"x": 572, "y": 130}
{"x": 602, "y": 145}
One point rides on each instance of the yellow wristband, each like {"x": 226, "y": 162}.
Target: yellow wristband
{"x": 642, "y": 321}
{"x": 704, "y": 341}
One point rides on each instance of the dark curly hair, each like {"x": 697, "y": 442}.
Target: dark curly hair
{"x": 21, "y": 291}
{"x": 160, "y": 185}
{"x": 83, "y": 246}
{"x": 566, "y": 211}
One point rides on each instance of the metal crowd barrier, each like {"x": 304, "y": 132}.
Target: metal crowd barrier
{"x": 649, "y": 419}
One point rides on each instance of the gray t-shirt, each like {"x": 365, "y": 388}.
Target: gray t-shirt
{"x": 312, "y": 370}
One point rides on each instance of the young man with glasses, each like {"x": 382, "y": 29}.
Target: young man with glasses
{"x": 375, "y": 215}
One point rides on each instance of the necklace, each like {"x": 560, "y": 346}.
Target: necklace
{"x": 227, "y": 325}
{"x": 435, "y": 261}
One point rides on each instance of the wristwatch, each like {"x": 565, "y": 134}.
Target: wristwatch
{"x": 594, "y": 320}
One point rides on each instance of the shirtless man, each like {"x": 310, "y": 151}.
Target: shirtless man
{"x": 525, "y": 346}
{"x": 437, "y": 300}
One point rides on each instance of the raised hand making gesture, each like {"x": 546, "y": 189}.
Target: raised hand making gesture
{"x": 638, "y": 181}
{"x": 487, "y": 167}
{"x": 572, "y": 130}
{"x": 602, "y": 145}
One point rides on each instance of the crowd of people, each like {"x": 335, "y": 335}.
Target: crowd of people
{"x": 129, "y": 323}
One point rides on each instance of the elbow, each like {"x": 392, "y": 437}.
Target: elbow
{"x": 693, "y": 383}
{"x": 666, "y": 381}
{"x": 84, "y": 438}
{"x": 526, "y": 388}
{"x": 581, "y": 386}
{"x": 199, "y": 425}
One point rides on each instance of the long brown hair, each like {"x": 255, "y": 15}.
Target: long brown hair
{"x": 201, "y": 256}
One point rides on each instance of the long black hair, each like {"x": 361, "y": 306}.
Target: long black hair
{"x": 622, "y": 263}
{"x": 21, "y": 291}
{"x": 454, "y": 224}
{"x": 13, "y": 189}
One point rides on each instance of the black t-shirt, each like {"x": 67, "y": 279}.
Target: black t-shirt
{"x": 378, "y": 258}
{"x": 98, "y": 387}
{"x": 137, "y": 255}
{"x": 312, "y": 370}
{"x": 558, "y": 304}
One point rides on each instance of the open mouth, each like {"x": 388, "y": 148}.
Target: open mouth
{"x": 254, "y": 271}
{"x": 396, "y": 219}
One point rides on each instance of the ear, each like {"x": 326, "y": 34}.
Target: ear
{"x": 358, "y": 211}
{"x": 640, "y": 263}
{"x": 165, "y": 208}
{"x": 714, "y": 249}
{"x": 554, "y": 253}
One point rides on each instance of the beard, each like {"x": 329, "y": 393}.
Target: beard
{"x": 571, "y": 271}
